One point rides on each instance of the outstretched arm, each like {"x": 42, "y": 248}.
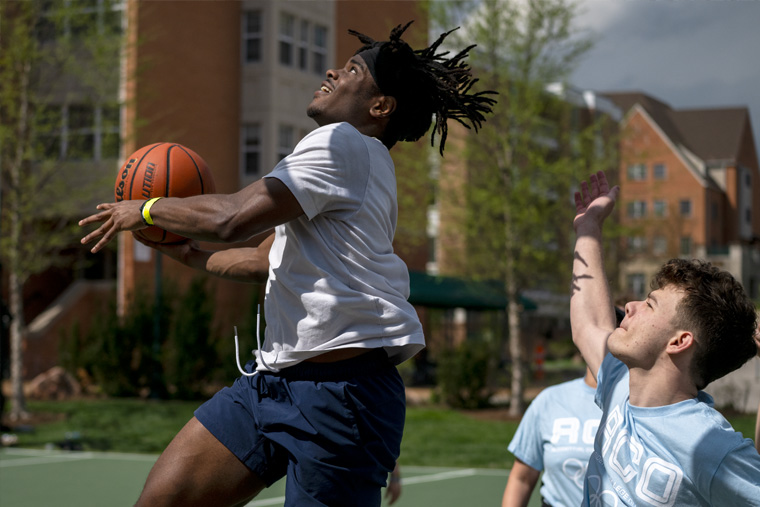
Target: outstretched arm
{"x": 253, "y": 210}
{"x": 248, "y": 264}
{"x": 592, "y": 317}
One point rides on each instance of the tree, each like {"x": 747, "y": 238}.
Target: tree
{"x": 519, "y": 170}
{"x": 59, "y": 71}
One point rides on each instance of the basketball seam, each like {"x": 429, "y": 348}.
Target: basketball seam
{"x": 197, "y": 169}
{"x": 134, "y": 172}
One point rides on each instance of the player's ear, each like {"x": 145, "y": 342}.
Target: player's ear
{"x": 383, "y": 106}
{"x": 681, "y": 341}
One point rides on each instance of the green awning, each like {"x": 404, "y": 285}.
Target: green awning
{"x": 452, "y": 292}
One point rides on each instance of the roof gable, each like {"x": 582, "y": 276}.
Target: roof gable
{"x": 710, "y": 134}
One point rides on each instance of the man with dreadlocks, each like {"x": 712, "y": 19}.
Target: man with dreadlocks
{"x": 323, "y": 404}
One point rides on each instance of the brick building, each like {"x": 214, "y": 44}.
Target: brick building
{"x": 231, "y": 80}
{"x": 690, "y": 187}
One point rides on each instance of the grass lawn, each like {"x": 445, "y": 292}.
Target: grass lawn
{"x": 433, "y": 436}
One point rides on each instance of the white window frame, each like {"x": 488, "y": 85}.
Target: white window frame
{"x": 637, "y": 172}
{"x": 250, "y": 35}
{"x": 286, "y": 40}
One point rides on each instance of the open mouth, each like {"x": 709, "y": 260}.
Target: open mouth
{"x": 325, "y": 88}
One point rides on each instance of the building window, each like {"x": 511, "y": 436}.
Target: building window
{"x": 319, "y": 50}
{"x": 659, "y": 245}
{"x": 287, "y": 35}
{"x": 686, "y": 245}
{"x": 286, "y": 141}
{"x": 637, "y": 172}
{"x": 79, "y": 132}
{"x": 637, "y": 209}
{"x": 636, "y": 285}
{"x": 303, "y": 45}
{"x": 107, "y": 131}
{"x": 660, "y": 208}
{"x": 714, "y": 211}
{"x": 658, "y": 172}
{"x": 79, "y": 19}
{"x": 252, "y": 36}
{"x": 636, "y": 244}
{"x": 252, "y": 149}
{"x": 684, "y": 206}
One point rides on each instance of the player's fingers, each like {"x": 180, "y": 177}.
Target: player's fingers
{"x": 107, "y": 236}
{"x": 97, "y": 217}
{"x": 579, "y": 206}
{"x": 594, "y": 186}
{"x": 585, "y": 193}
{"x": 604, "y": 186}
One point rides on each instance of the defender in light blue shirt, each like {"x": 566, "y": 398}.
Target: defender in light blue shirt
{"x": 556, "y": 436}
{"x": 660, "y": 442}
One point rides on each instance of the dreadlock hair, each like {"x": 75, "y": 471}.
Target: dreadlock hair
{"x": 424, "y": 83}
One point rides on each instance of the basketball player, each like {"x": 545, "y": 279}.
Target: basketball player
{"x": 660, "y": 442}
{"x": 556, "y": 436}
{"x": 326, "y": 405}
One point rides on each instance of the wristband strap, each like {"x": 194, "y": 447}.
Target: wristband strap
{"x": 145, "y": 211}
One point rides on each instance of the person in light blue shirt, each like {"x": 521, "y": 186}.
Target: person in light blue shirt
{"x": 556, "y": 436}
{"x": 660, "y": 441}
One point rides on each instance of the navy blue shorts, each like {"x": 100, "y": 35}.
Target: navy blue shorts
{"x": 334, "y": 429}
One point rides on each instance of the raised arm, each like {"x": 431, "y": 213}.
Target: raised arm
{"x": 592, "y": 317}
{"x": 253, "y": 210}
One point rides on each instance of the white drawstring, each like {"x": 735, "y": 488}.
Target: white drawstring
{"x": 258, "y": 342}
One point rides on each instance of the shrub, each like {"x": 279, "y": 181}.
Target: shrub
{"x": 463, "y": 374}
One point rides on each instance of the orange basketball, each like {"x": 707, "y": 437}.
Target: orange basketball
{"x": 163, "y": 170}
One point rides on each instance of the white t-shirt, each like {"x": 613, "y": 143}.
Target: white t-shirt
{"x": 334, "y": 279}
{"x": 556, "y": 435}
{"x": 680, "y": 454}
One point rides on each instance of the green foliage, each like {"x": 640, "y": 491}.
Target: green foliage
{"x": 189, "y": 349}
{"x": 463, "y": 374}
{"x": 160, "y": 348}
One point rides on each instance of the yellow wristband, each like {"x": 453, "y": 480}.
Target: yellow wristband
{"x": 146, "y": 210}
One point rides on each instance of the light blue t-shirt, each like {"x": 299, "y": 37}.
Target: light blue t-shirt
{"x": 556, "y": 435}
{"x": 680, "y": 454}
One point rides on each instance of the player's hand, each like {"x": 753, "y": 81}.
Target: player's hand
{"x": 180, "y": 251}
{"x": 392, "y": 492}
{"x": 594, "y": 202}
{"x": 115, "y": 217}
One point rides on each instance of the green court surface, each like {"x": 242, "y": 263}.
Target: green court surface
{"x": 33, "y": 478}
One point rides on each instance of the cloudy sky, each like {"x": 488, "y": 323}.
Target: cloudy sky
{"x": 687, "y": 53}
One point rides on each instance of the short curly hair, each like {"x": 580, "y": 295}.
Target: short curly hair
{"x": 425, "y": 84}
{"x": 717, "y": 310}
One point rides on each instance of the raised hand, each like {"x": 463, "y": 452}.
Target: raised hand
{"x": 594, "y": 202}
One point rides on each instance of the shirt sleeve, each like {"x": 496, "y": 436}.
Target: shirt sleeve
{"x": 737, "y": 479}
{"x": 327, "y": 172}
{"x": 527, "y": 444}
{"x": 611, "y": 371}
